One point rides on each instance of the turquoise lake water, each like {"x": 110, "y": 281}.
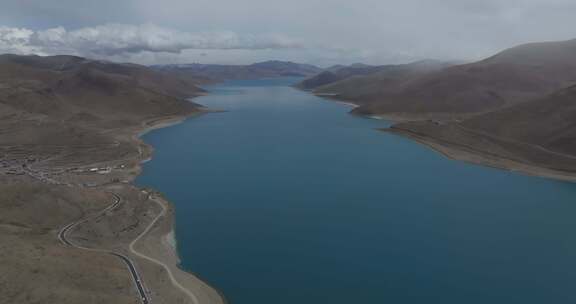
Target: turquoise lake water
{"x": 286, "y": 198}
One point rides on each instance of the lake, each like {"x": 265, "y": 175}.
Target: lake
{"x": 286, "y": 198}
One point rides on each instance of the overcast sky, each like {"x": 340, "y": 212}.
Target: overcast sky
{"x": 323, "y": 32}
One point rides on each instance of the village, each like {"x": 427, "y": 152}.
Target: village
{"x": 17, "y": 166}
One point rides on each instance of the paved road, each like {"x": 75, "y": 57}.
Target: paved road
{"x": 135, "y": 277}
{"x": 62, "y": 236}
{"x": 175, "y": 282}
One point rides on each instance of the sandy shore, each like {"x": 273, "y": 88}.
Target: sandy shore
{"x": 411, "y": 117}
{"x": 349, "y": 104}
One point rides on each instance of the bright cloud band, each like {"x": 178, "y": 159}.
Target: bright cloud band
{"x": 117, "y": 39}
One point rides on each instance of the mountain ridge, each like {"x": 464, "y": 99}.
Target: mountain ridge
{"x": 535, "y": 135}
{"x": 512, "y": 76}
{"x": 220, "y": 72}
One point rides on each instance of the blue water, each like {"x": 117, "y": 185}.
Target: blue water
{"x": 286, "y": 198}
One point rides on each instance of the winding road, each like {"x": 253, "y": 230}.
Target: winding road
{"x": 168, "y": 270}
{"x": 62, "y": 236}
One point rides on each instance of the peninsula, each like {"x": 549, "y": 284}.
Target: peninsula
{"x": 513, "y": 110}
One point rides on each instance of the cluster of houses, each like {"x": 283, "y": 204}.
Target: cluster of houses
{"x": 104, "y": 170}
{"x": 19, "y": 166}
{"x": 98, "y": 170}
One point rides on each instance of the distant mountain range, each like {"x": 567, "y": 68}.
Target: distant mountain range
{"x": 518, "y": 104}
{"x": 218, "y": 72}
{"x": 60, "y": 114}
{"x": 359, "y": 81}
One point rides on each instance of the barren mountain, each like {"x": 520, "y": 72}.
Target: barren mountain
{"x": 337, "y": 73}
{"x": 57, "y": 99}
{"x": 382, "y": 81}
{"x": 217, "y": 72}
{"x": 540, "y": 133}
{"x": 515, "y": 75}
{"x": 67, "y": 139}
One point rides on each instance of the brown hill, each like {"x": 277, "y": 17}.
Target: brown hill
{"x": 540, "y": 53}
{"x": 384, "y": 81}
{"x": 337, "y": 73}
{"x": 540, "y": 133}
{"x": 512, "y": 76}
{"x": 61, "y": 87}
{"x": 74, "y": 103}
{"x": 549, "y": 122}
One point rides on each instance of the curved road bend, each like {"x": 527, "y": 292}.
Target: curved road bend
{"x": 62, "y": 236}
{"x": 175, "y": 282}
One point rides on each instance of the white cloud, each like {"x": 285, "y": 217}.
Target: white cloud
{"x": 120, "y": 39}
{"x": 15, "y": 40}
{"x": 383, "y": 31}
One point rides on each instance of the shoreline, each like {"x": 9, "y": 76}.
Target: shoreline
{"x": 451, "y": 150}
{"x": 455, "y": 152}
{"x": 332, "y": 97}
{"x": 166, "y": 241}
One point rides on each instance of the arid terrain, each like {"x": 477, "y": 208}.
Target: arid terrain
{"x": 73, "y": 228}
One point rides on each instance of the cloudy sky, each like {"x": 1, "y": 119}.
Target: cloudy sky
{"x": 323, "y": 32}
